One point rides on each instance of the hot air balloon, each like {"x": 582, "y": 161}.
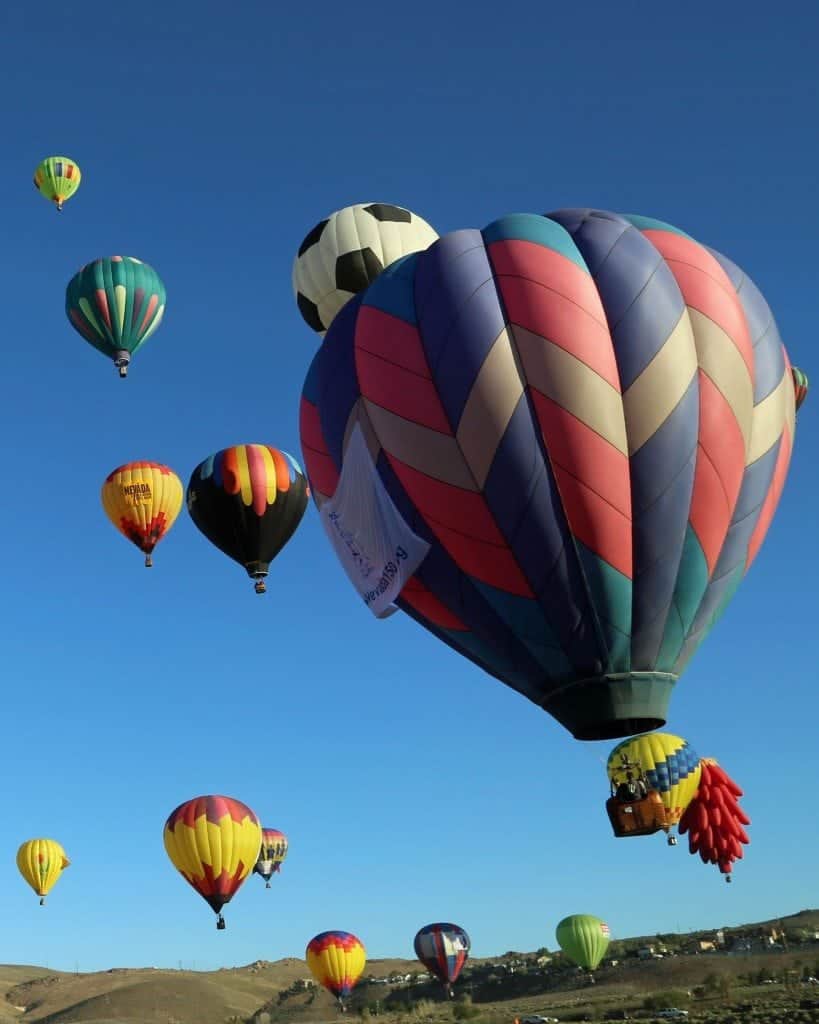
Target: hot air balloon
{"x": 271, "y": 855}
{"x": 714, "y": 820}
{"x": 800, "y": 386}
{"x": 142, "y": 500}
{"x": 57, "y": 178}
{"x": 41, "y": 862}
{"x": 248, "y": 501}
{"x": 443, "y": 949}
{"x": 559, "y": 443}
{"x": 341, "y": 255}
{"x": 336, "y": 960}
{"x": 116, "y": 304}
{"x": 213, "y": 842}
{"x": 584, "y": 939}
{"x": 653, "y": 779}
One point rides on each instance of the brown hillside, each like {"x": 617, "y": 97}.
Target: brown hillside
{"x": 269, "y": 992}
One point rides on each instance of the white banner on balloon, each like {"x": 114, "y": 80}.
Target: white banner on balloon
{"x": 377, "y": 549}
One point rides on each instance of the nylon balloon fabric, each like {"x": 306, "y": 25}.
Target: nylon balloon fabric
{"x": 443, "y": 949}
{"x": 142, "y": 500}
{"x": 248, "y": 501}
{"x": 584, "y": 939}
{"x": 41, "y": 862}
{"x": 57, "y": 178}
{"x": 714, "y": 820}
{"x": 670, "y": 765}
{"x": 272, "y": 853}
{"x": 116, "y": 304}
{"x": 213, "y": 842}
{"x": 336, "y": 960}
{"x": 589, "y": 418}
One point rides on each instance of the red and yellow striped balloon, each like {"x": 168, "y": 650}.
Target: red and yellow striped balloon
{"x": 142, "y": 500}
{"x": 336, "y": 960}
{"x": 213, "y": 841}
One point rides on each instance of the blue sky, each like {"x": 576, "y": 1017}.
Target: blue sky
{"x": 413, "y": 787}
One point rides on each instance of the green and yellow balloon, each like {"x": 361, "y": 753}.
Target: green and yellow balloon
{"x": 116, "y": 304}
{"x": 57, "y": 178}
{"x": 584, "y": 939}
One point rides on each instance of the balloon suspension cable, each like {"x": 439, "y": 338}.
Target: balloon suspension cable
{"x": 220, "y": 923}
{"x": 149, "y": 561}
{"x": 260, "y": 587}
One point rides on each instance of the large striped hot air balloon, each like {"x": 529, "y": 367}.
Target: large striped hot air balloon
{"x": 336, "y": 960}
{"x": 41, "y": 862}
{"x": 442, "y": 948}
{"x": 116, "y": 304}
{"x": 142, "y": 500}
{"x": 213, "y": 842}
{"x": 57, "y": 178}
{"x": 557, "y": 444}
{"x": 248, "y": 501}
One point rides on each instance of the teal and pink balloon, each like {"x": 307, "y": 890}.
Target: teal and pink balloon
{"x": 588, "y": 418}
{"x": 116, "y": 304}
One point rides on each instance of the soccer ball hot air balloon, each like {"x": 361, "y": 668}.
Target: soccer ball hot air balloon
{"x": 248, "y": 501}
{"x": 443, "y": 948}
{"x": 584, "y": 939}
{"x": 653, "y": 779}
{"x": 41, "y": 862}
{"x": 142, "y": 500}
{"x": 336, "y": 960}
{"x": 213, "y": 842}
{"x": 116, "y": 304}
{"x": 557, "y": 444}
{"x": 57, "y": 178}
{"x": 714, "y": 820}
{"x": 271, "y": 855}
{"x": 343, "y": 254}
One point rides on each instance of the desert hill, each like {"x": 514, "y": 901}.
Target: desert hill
{"x": 281, "y": 992}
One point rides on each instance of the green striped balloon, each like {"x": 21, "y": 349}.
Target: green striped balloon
{"x": 584, "y": 939}
{"x": 116, "y": 304}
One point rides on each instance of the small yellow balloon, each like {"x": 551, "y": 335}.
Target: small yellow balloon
{"x": 41, "y": 862}
{"x": 142, "y": 500}
{"x": 57, "y": 178}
